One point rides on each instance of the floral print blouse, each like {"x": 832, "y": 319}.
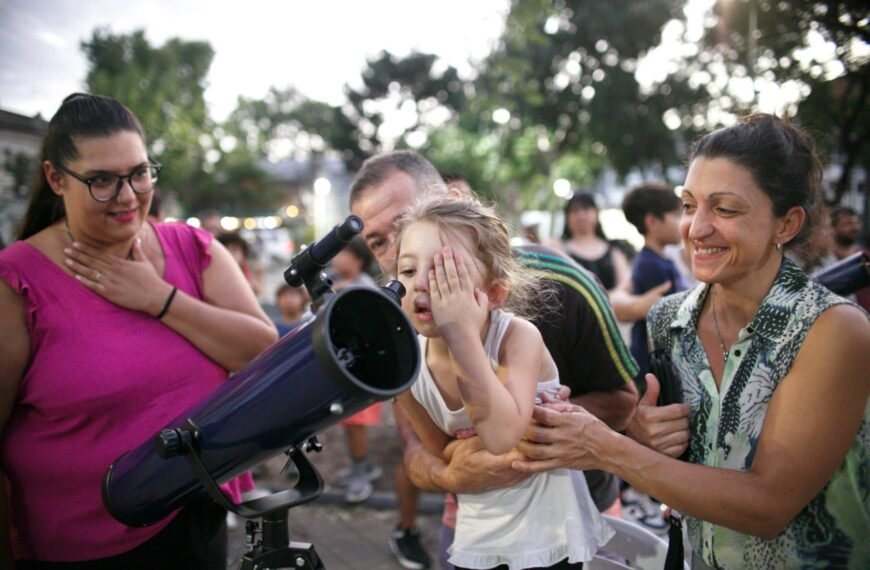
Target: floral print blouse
{"x": 833, "y": 530}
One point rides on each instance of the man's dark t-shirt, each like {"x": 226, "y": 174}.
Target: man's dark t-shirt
{"x": 581, "y": 334}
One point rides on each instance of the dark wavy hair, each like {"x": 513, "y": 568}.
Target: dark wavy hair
{"x": 781, "y": 158}
{"x": 81, "y": 115}
{"x": 656, "y": 198}
{"x": 581, "y": 199}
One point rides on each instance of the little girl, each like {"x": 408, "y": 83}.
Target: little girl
{"x": 483, "y": 368}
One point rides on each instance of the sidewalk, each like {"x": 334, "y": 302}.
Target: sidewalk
{"x": 349, "y": 537}
{"x": 345, "y": 538}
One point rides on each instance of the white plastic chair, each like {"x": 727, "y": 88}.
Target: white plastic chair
{"x": 601, "y": 563}
{"x": 640, "y": 547}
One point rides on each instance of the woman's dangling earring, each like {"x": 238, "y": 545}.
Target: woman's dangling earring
{"x": 778, "y": 247}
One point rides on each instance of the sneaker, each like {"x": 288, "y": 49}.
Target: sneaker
{"x": 644, "y": 510}
{"x": 629, "y": 496}
{"x": 343, "y": 476}
{"x": 405, "y": 544}
{"x": 359, "y": 489}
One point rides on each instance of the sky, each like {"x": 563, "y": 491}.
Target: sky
{"x": 317, "y": 47}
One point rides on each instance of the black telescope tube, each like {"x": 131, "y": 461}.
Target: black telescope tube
{"x": 359, "y": 348}
{"x": 847, "y": 276}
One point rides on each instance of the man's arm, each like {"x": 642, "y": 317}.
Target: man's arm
{"x": 420, "y": 465}
{"x": 629, "y": 307}
{"x": 472, "y": 469}
{"x": 614, "y": 408}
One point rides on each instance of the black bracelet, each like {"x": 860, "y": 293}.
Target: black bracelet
{"x": 166, "y": 305}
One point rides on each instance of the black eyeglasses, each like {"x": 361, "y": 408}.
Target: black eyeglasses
{"x": 105, "y": 186}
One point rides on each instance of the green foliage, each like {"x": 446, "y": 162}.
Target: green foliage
{"x": 770, "y": 40}
{"x": 409, "y": 91}
{"x": 282, "y": 116}
{"x": 21, "y": 167}
{"x": 234, "y": 184}
{"x": 566, "y": 68}
{"x": 562, "y": 83}
{"x": 776, "y": 29}
{"x": 164, "y": 87}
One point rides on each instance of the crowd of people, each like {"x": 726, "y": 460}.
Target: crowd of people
{"x": 532, "y": 412}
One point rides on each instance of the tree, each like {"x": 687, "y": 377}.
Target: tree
{"x": 399, "y": 103}
{"x": 234, "y": 183}
{"x": 562, "y": 79}
{"x": 164, "y": 87}
{"x": 21, "y": 167}
{"x": 814, "y": 52}
{"x": 269, "y": 127}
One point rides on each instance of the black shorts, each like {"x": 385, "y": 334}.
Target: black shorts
{"x": 195, "y": 539}
{"x": 563, "y": 565}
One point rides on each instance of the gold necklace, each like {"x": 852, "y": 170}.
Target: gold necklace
{"x": 72, "y": 239}
{"x": 716, "y": 324}
{"x": 68, "y": 232}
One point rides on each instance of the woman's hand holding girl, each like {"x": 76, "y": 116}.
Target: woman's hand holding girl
{"x": 563, "y": 435}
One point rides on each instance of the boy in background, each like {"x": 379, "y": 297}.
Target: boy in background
{"x": 654, "y": 210}
{"x": 354, "y": 265}
{"x": 292, "y": 302}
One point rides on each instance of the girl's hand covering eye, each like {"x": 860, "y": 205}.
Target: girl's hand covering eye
{"x": 457, "y": 305}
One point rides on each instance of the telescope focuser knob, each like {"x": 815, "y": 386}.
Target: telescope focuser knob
{"x": 171, "y": 442}
{"x": 168, "y": 443}
{"x": 313, "y": 444}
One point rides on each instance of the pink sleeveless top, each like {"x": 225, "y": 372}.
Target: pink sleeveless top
{"x": 101, "y": 380}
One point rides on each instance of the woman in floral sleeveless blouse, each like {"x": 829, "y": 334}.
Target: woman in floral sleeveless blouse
{"x": 773, "y": 369}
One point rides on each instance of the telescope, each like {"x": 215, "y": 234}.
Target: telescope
{"x": 359, "y": 348}
{"x": 847, "y": 276}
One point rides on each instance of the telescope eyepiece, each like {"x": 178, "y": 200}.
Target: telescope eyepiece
{"x": 394, "y": 290}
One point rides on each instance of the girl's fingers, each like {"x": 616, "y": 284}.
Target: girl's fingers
{"x": 450, "y": 270}
{"x": 433, "y": 285}
{"x": 440, "y": 276}
{"x": 462, "y": 274}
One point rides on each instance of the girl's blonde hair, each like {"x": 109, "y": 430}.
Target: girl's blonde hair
{"x": 489, "y": 240}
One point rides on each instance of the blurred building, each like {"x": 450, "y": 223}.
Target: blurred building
{"x": 20, "y": 140}
{"x": 317, "y": 187}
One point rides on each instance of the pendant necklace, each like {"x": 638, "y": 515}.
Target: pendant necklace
{"x": 68, "y": 232}
{"x": 716, "y": 324}
{"x": 72, "y": 239}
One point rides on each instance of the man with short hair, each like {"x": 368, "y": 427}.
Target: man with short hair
{"x": 583, "y": 338}
{"x": 847, "y": 231}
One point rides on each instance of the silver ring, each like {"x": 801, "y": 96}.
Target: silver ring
{"x": 97, "y": 276}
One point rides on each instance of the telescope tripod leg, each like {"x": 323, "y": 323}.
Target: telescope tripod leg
{"x": 274, "y": 549}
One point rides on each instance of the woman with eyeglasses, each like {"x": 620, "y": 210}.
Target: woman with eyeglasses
{"x": 111, "y": 326}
